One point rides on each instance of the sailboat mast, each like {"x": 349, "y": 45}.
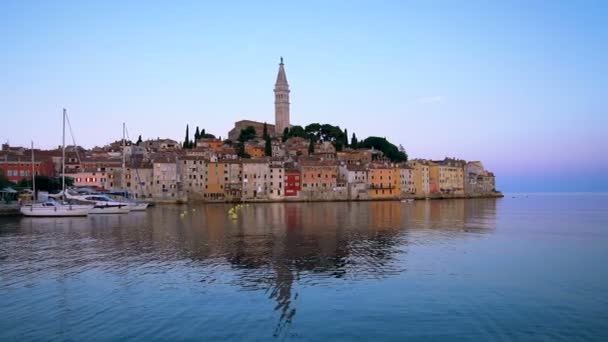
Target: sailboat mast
{"x": 33, "y": 174}
{"x": 63, "y": 156}
{"x": 124, "y": 176}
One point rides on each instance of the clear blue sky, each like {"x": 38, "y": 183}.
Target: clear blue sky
{"x": 521, "y": 86}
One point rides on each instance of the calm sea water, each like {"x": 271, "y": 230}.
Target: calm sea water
{"x": 524, "y": 268}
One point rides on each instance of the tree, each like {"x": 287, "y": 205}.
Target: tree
{"x": 240, "y": 151}
{"x": 390, "y": 151}
{"x": 311, "y": 147}
{"x": 345, "y": 138}
{"x": 4, "y": 182}
{"x": 186, "y": 143}
{"x": 197, "y": 134}
{"x": 265, "y": 132}
{"x": 139, "y": 141}
{"x": 285, "y": 134}
{"x": 268, "y": 147}
{"x": 354, "y": 141}
{"x": 247, "y": 133}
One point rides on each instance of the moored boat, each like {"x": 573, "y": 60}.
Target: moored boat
{"x": 54, "y": 209}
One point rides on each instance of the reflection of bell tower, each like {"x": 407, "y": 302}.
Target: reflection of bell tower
{"x": 281, "y": 101}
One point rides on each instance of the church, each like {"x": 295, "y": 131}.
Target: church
{"x": 281, "y": 110}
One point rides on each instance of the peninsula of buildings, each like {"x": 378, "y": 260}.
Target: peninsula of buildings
{"x": 258, "y": 162}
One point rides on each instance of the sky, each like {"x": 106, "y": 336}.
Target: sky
{"x": 518, "y": 85}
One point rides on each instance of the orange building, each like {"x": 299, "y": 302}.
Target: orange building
{"x": 216, "y": 177}
{"x": 254, "y": 150}
{"x": 383, "y": 182}
{"x": 318, "y": 175}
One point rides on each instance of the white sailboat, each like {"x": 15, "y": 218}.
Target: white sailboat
{"x": 52, "y": 208}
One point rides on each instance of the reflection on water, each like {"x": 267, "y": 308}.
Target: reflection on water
{"x": 272, "y": 248}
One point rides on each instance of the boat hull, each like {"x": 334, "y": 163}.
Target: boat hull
{"x": 54, "y": 211}
{"x": 110, "y": 209}
{"x": 140, "y": 207}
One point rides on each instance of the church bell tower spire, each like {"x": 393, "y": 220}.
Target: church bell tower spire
{"x": 281, "y": 101}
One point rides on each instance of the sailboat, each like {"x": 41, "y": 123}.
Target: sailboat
{"x": 52, "y": 207}
{"x": 136, "y": 205}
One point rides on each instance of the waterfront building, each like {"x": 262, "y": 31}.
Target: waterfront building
{"x": 421, "y": 176}
{"x": 192, "y": 173}
{"x": 319, "y": 176}
{"x": 356, "y": 180}
{"x": 281, "y": 100}
{"x": 216, "y": 176}
{"x": 18, "y": 167}
{"x": 166, "y": 177}
{"x": 277, "y": 182}
{"x": 233, "y": 187}
{"x": 447, "y": 176}
{"x": 140, "y": 179}
{"x": 96, "y": 179}
{"x": 383, "y": 181}
{"x": 478, "y": 181}
{"x": 406, "y": 179}
{"x": 293, "y": 184}
{"x": 256, "y": 179}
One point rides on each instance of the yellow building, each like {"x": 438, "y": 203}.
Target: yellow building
{"x": 383, "y": 182}
{"x": 421, "y": 176}
{"x": 447, "y": 176}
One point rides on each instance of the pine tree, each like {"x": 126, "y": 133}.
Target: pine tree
{"x": 353, "y": 141}
{"x": 186, "y": 143}
{"x": 268, "y": 147}
{"x": 311, "y": 147}
{"x": 203, "y": 134}
{"x": 139, "y": 141}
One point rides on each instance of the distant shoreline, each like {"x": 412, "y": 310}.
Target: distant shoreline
{"x": 299, "y": 200}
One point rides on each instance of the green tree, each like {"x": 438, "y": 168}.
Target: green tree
{"x": 354, "y": 141}
{"x": 197, "y": 134}
{"x": 186, "y": 143}
{"x": 240, "y": 150}
{"x": 4, "y": 181}
{"x": 265, "y": 132}
{"x": 285, "y": 134}
{"x": 345, "y": 138}
{"x": 268, "y": 147}
{"x": 391, "y": 151}
{"x": 247, "y": 133}
{"x": 311, "y": 147}
{"x": 139, "y": 140}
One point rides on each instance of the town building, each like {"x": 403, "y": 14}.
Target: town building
{"x": 293, "y": 182}
{"x": 256, "y": 179}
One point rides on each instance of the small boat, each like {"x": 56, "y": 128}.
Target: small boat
{"x": 52, "y": 208}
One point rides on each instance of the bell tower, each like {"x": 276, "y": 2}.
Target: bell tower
{"x": 281, "y": 101}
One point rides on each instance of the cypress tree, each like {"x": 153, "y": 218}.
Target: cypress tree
{"x": 345, "y": 137}
{"x": 268, "y": 147}
{"x": 265, "y": 132}
{"x": 197, "y": 134}
{"x": 186, "y": 143}
{"x": 285, "y": 134}
{"x": 139, "y": 141}
{"x": 311, "y": 147}
{"x": 353, "y": 141}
